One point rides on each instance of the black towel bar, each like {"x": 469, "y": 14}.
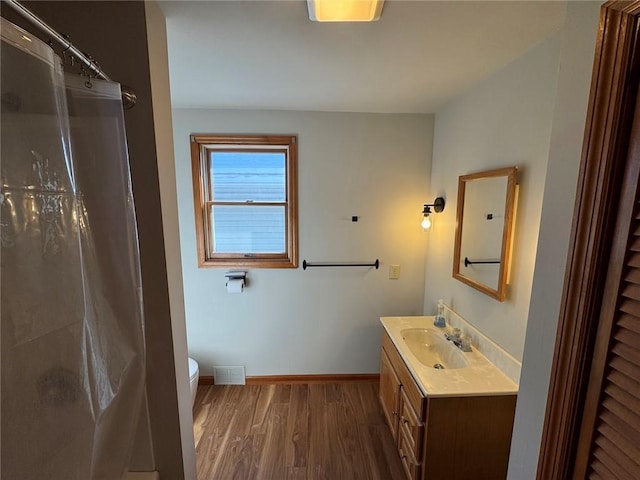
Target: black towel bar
{"x": 468, "y": 262}
{"x": 306, "y": 264}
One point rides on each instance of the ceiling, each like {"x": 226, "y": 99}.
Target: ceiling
{"x": 269, "y": 55}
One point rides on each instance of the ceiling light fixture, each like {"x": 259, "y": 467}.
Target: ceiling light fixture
{"x": 438, "y": 206}
{"x": 344, "y": 10}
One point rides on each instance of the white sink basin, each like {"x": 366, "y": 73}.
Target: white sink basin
{"x": 432, "y": 349}
{"x": 421, "y": 346}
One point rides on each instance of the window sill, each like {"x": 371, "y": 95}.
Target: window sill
{"x": 248, "y": 262}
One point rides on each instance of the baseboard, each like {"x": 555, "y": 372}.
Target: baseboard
{"x": 324, "y": 378}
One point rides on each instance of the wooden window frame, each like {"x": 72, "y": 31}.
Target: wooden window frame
{"x": 201, "y": 146}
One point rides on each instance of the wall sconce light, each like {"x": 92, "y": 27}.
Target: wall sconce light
{"x": 344, "y": 10}
{"x": 438, "y": 206}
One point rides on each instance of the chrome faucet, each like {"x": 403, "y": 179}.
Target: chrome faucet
{"x": 458, "y": 340}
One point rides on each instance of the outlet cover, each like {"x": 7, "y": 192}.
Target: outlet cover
{"x": 229, "y": 375}
{"x": 394, "y": 272}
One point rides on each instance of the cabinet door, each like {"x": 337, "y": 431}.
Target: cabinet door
{"x": 389, "y": 393}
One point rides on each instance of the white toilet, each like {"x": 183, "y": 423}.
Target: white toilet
{"x": 194, "y": 375}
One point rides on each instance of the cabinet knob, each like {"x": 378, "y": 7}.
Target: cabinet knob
{"x": 394, "y": 413}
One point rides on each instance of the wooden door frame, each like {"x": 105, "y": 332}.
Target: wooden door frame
{"x": 609, "y": 116}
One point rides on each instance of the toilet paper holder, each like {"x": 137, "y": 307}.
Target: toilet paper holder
{"x": 236, "y": 275}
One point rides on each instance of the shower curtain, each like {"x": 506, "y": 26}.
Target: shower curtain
{"x": 72, "y": 335}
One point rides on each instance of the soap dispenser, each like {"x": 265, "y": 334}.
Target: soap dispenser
{"x": 440, "y": 321}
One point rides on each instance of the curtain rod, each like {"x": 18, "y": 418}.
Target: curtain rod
{"x": 128, "y": 95}
{"x": 66, "y": 44}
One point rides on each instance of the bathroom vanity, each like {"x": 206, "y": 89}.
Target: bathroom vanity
{"x": 450, "y": 422}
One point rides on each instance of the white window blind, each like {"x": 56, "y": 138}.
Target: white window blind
{"x": 246, "y": 188}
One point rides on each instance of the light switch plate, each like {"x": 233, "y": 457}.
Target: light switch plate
{"x": 394, "y": 272}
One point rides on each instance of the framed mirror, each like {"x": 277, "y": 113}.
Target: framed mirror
{"x": 484, "y": 227}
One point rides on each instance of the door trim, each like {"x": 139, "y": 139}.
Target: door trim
{"x": 608, "y": 125}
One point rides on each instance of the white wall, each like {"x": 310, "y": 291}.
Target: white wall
{"x": 322, "y": 320}
{"x": 161, "y": 98}
{"x": 576, "y": 62}
{"x": 504, "y": 121}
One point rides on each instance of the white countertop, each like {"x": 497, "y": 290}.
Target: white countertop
{"x": 479, "y": 377}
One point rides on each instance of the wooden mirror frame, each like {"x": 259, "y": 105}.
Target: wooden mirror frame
{"x": 500, "y": 292}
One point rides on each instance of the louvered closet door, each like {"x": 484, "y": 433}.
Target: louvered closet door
{"x": 609, "y": 444}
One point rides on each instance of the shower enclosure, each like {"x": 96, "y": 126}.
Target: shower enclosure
{"x": 72, "y": 334}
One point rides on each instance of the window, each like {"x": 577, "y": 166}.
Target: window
{"x": 245, "y": 195}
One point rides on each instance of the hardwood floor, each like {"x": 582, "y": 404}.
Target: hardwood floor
{"x": 301, "y": 431}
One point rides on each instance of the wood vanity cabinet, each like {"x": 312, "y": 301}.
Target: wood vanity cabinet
{"x": 389, "y": 393}
{"x": 444, "y": 438}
